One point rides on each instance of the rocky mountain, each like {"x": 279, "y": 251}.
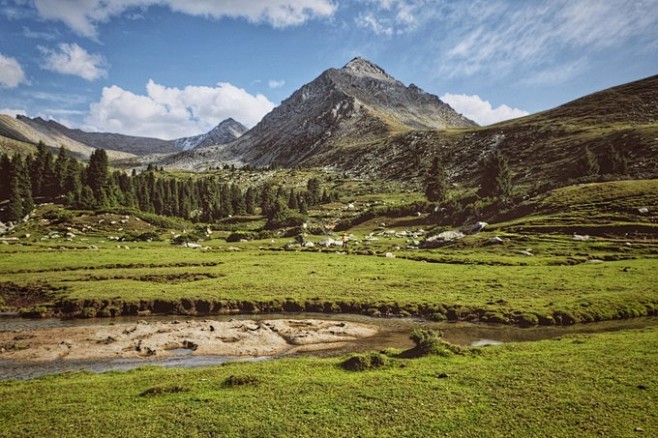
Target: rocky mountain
{"x": 227, "y": 131}
{"x": 342, "y": 107}
{"x": 108, "y": 141}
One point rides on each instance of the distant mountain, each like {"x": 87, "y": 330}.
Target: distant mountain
{"x": 109, "y": 141}
{"x": 26, "y": 130}
{"x": 227, "y": 131}
{"x": 359, "y": 102}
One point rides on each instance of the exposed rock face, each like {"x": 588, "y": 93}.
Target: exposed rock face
{"x": 227, "y": 131}
{"x": 354, "y": 104}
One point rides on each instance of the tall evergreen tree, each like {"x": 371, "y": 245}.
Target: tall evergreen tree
{"x": 250, "y": 200}
{"x": 14, "y": 211}
{"x": 293, "y": 202}
{"x": 589, "y": 164}
{"x": 496, "y": 177}
{"x": 97, "y": 175}
{"x": 5, "y": 176}
{"x": 436, "y": 182}
{"x": 314, "y": 191}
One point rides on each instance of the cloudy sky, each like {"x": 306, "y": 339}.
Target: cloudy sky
{"x": 174, "y": 68}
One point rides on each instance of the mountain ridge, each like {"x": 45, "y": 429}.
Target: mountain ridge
{"x": 356, "y": 102}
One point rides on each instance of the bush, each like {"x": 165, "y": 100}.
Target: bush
{"x": 58, "y": 216}
{"x": 241, "y": 380}
{"x": 285, "y": 219}
{"x": 240, "y": 235}
{"x": 159, "y": 390}
{"x": 363, "y": 362}
{"x": 148, "y": 236}
{"x": 187, "y": 238}
{"x": 426, "y": 341}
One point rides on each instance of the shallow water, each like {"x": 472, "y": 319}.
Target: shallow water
{"x": 393, "y": 333}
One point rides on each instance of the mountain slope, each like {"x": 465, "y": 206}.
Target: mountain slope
{"x": 108, "y": 141}
{"x": 342, "y": 106}
{"x": 227, "y": 131}
{"x": 19, "y": 129}
{"x": 544, "y": 148}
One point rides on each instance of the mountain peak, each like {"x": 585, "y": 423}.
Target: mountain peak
{"x": 362, "y": 67}
{"x": 225, "y": 132}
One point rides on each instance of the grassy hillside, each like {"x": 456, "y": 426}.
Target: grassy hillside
{"x": 542, "y": 148}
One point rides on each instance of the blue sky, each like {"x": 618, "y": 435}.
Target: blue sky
{"x": 174, "y": 68}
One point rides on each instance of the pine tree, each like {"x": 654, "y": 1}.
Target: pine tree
{"x": 496, "y": 177}
{"x": 15, "y": 207}
{"x": 5, "y": 176}
{"x": 60, "y": 169}
{"x": 314, "y": 191}
{"x": 97, "y": 175}
{"x": 250, "y": 200}
{"x": 293, "y": 203}
{"x": 20, "y": 170}
{"x": 589, "y": 164}
{"x": 237, "y": 200}
{"x": 436, "y": 182}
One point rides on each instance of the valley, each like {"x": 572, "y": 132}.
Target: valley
{"x": 357, "y": 205}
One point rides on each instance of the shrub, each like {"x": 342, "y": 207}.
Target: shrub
{"x": 187, "y": 238}
{"x": 159, "y": 390}
{"x": 363, "y": 362}
{"x": 426, "y": 341}
{"x": 58, "y": 216}
{"x": 240, "y": 235}
{"x": 241, "y": 380}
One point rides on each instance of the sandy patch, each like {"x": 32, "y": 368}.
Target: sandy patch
{"x": 161, "y": 339}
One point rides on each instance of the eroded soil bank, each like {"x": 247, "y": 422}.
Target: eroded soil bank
{"x": 165, "y": 338}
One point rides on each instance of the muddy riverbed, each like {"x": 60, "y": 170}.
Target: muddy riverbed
{"x": 30, "y": 348}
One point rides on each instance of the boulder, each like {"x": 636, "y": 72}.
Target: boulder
{"x": 643, "y": 210}
{"x": 497, "y": 240}
{"x": 477, "y": 227}
{"x": 580, "y": 238}
{"x": 442, "y": 238}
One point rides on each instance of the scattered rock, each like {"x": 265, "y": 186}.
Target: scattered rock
{"x": 643, "y": 210}
{"x": 390, "y": 255}
{"x": 497, "y": 240}
{"x": 580, "y": 238}
{"x": 442, "y": 238}
{"x": 477, "y": 227}
{"x": 526, "y": 252}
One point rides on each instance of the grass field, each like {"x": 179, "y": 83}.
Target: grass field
{"x": 529, "y": 277}
{"x": 594, "y": 385}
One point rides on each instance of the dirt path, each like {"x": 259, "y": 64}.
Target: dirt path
{"x": 160, "y": 339}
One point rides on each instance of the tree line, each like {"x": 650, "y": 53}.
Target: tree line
{"x": 96, "y": 187}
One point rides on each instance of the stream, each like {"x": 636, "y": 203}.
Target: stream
{"x": 393, "y": 333}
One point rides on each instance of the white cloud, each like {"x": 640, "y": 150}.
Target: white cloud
{"x": 394, "y": 17}
{"x": 11, "y": 72}
{"x": 169, "y": 112}
{"x": 71, "y": 59}
{"x": 13, "y": 112}
{"x": 83, "y": 15}
{"x": 509, "y": 34}
{"x": 480, "y": 110}
{"x": 274, "y": 84}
